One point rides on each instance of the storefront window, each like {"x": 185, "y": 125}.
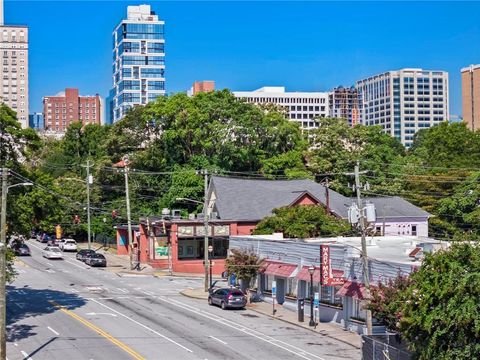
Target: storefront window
{"x": 193, "y": 248}
{"x": 328, "y": 295}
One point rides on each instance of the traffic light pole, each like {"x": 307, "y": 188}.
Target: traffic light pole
{"x": 88, "y": 204}
{"x": 129, "y": 221}
{"x": 3, "y": 264}
{"x": 205, "y": 225}
{"x": 366, "y": 276}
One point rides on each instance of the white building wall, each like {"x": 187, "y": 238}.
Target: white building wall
{"x": 405, "y": 101}
{"x": 301, "y": 107}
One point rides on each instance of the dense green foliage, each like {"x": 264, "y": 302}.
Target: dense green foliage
{"x": 441, "y": 315}
{"x": 303, "y": 222}
{"x": 244, "y": 264}
{"x": 437, "y": 309}
{"x": 170, "y": 139}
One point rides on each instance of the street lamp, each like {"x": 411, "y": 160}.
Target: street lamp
{"x": 210, "y": 250}
{"x": 205, "y": 242}
{"x": 311, "y": 270}
{"x": 3, "y": 260}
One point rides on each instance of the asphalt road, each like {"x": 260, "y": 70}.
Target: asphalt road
{"x": 63, "y": 309}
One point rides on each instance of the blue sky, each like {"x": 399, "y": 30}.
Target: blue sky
{"x": 305, "y": 46}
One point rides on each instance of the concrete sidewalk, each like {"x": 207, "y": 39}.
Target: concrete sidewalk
{"x": 333, "y": 331}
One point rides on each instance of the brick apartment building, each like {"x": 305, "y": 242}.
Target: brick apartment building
{"x": 61, "y": 110}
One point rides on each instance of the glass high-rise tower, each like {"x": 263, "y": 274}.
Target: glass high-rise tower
{"x": 138, "y": 60}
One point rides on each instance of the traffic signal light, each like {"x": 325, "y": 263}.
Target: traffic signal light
{"x": 76, "y": 219}
{"x": 58, "y": 231}
{"x": 114, "y": 214}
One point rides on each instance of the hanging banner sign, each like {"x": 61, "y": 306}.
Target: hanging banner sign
{"x": 326, "y": 277}
{"x": 324, "y": 264}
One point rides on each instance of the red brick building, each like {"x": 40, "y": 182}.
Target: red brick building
{"x": 61, "y": 110}
{"x": 203, "y": 86}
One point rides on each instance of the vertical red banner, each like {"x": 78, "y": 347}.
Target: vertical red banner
{"x": 324, "y": 264}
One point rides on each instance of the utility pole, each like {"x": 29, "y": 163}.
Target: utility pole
{"x": 3, "y": 266}
{"x": 366, "y": 276}
{"x": 126, "y": 162}
{"x": 205, "y": 225}
{"x": 89, "y": 181}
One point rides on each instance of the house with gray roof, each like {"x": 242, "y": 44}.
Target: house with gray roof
{"x": 248, "y": 201}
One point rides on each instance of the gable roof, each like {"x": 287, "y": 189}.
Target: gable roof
{"x": 254, "y": 199}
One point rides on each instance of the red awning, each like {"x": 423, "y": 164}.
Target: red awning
{"x": 353, "y": 289}
{"x": 279, "y": 269}
{"x": 305, "y": 275}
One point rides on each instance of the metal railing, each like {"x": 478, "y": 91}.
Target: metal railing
{"x": 384, "y": 347}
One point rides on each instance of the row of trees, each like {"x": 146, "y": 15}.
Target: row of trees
{"x": 171, "y": 138}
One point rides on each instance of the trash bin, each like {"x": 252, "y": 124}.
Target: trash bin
{"x": 300, "y": 309}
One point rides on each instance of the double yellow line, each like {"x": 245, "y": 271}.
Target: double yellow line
{"x": 99, "y": 331}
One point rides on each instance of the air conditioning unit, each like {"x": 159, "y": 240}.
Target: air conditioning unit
{"x": 165, "y": 211}
{"x": 191, "y": 216}
{"x": 177, "y": 214}
{"x": 214, "y": 215}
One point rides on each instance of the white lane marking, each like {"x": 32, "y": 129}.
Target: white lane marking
{"x": 93, "y": 314}
{"x": 122, "y": 290}
{"x": 50, "y": 271}
{"x": 214, "y": 338}
{"x": 148, "y": 293}
{"x": 142, "y": 325}
{"x": 25, "y": 355}
{"x": 49, "y": 264}
{"x": 15, "y": 344}
{"x": 53, "y": 331}
{"x": 257, "y": 334}
{"x": 81, "y": 267}
{"x": 74, "y": 290}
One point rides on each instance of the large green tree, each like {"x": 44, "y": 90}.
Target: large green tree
{"x": 305, "y": 221}
{"x": 441, "y": 312}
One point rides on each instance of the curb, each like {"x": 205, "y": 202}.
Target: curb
{"x": 297, "y": 325}
{"x": 185, "y": 293}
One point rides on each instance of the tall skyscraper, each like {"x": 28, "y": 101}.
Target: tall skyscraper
{"x": 301, "y": 107}
{"x": 139, "y": 60}
{"x": 14, "y": 50}
{"x": 404, "y": 101}
{"x": 35, "y": 121}
{"x": 60, "y": 110}
{"x": 471, "y": 96}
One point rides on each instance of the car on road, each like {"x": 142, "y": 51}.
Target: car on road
{"x": 44, "y": 238}
{"x": 227, "y": 298}
{"x": 68, "y": 245}
{"x": 52, "y": 252}
{"x": 20, "y": 249}
{"x": 96, "y": 260}
{"x": 82, "y": 254}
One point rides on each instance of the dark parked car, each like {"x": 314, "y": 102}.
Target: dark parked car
{"x": 227, "y": 298}
{"x": 83, "y": 254}
{"x": 20, "y": 249}
{"x": 96, "y": 260}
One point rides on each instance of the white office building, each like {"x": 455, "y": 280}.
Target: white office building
{"x": 139, "y": 60}
{"x": 302, "y": 107}
{"x": 405, "y": 101}
{"x": 14, "y": 49}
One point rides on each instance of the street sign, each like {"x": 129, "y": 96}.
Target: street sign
{"x": 210, "y": 248}
{"x": 274, "y": 288}
{"x": 316, "y": 300}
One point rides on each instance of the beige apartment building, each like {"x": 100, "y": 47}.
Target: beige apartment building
{"x": 471, "y": 96}
{"x": 14, "y": 55}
